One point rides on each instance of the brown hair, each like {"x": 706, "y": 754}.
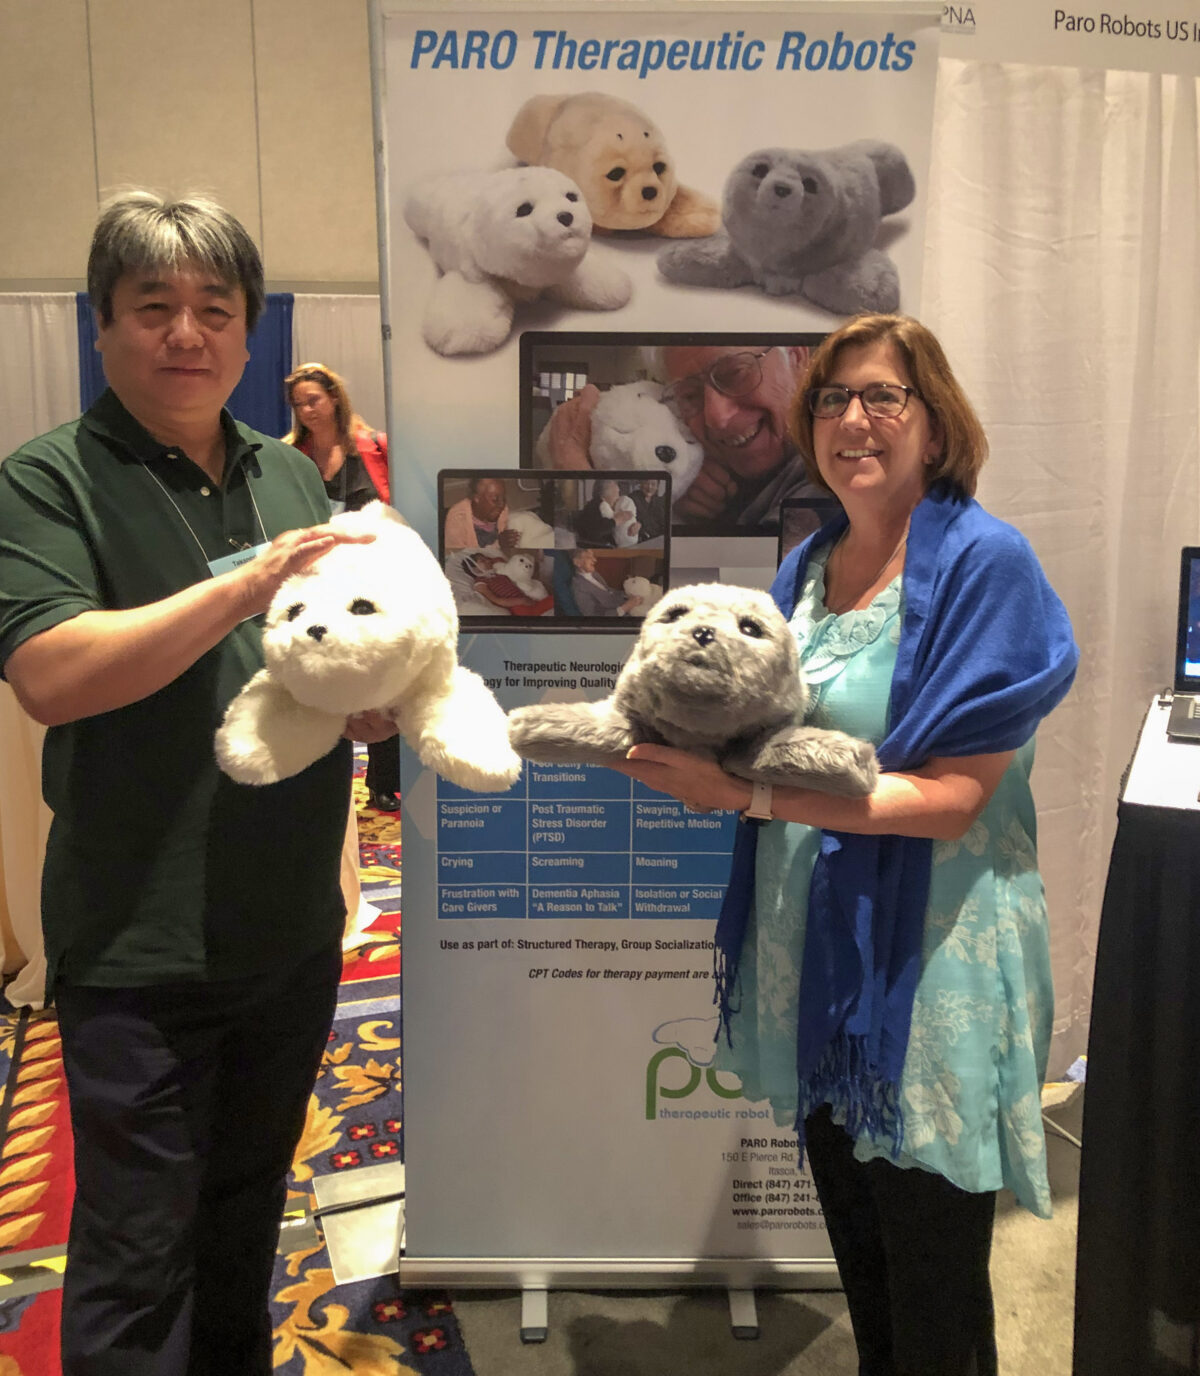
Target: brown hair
{"x": 964, "y": 445}
{"x": 345, "y": 417}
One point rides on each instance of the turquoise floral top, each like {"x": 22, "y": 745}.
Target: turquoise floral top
{"x": 971, "y": 1088}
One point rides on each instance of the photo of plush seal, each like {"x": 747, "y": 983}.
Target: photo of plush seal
{"x": 714, "y": 671}
{"x": 500, "y": 239}
{"x": 804, "y": 221}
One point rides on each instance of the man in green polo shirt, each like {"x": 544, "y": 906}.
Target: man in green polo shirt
{"x": 192, "y": 925}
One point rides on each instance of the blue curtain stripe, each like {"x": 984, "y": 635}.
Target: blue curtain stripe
{"x": 257, "y": 400}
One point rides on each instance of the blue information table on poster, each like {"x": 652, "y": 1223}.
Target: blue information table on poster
{"x": 578, "y": 841}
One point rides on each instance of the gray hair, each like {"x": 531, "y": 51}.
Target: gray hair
{"x": 138, "y": 230}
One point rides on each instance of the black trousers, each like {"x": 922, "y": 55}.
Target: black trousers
{"x": 187, "y": 1102}
{"x": 383, "y": 766}
{"x": 913, "y": 1251}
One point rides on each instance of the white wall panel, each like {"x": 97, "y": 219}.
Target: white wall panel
{"x": 174, "y": 99}
{"x": 314, "y": 111}
{"x": 47, "y": 167}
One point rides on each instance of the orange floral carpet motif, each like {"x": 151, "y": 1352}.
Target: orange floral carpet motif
{"x": 355, "y": 1118}
{"x": 37, "y": 1181}
{"x": 378, "y": 954}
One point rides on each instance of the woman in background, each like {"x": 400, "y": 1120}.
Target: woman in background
{"x": 351, "y": 457}
{"x": 352, "y": 461}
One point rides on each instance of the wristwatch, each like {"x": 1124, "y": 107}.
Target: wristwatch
{"x": 759, "y": 808}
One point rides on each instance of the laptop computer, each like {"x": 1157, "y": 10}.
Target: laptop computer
{"x": 1184, "y": 722}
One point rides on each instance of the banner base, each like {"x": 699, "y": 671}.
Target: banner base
{"x": 638, "y": 1273}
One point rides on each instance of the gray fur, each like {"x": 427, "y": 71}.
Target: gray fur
{"x": 700, "y": 679}
{"x": 804, "y": 222}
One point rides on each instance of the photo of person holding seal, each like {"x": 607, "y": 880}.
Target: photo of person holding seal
{"x": 480, "y": 519}
{"x": 593, "y": 595}
{"x": 735, "y": 399}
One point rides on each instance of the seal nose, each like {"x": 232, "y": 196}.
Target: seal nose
{"x": 565, "y": 218}
{"x": 704, "y": 635}
{"x": 782, "y": 189}
{"x": 318, "y": 633}
{"x": 665, "y": 453}
{"x": 649, "y": 193}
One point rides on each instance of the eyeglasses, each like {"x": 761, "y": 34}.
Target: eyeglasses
{"x": 733, "y": 375}
{"x": 883, "y": 400}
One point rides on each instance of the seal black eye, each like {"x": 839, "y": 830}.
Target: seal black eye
{"x": 294, "y": 610}
{"x": 760, "y": 169}
{"x": 659, "y": 168}
{"x": 748, "y": 626}
{"x": 810, "y": 185}
{"x": 525, "y": 208}
{"x": 571, "y": 196}
{"x": 616, "y": 174}
{"x": 361, "y": 606}
{"x": 673, "y": 614}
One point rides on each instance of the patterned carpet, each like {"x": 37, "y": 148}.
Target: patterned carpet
{"x": 379, "y": 875}
{"x": 36, "y": 1179}
{"x": 355, "y": 1119}
{"x": 37, "y": 1182}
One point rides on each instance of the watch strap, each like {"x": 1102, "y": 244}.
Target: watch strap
{"x": 759, "y": 808}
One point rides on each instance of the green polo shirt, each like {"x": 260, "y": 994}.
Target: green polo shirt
{"x": 158, "y": 867}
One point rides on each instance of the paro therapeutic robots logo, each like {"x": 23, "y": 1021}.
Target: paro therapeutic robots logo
{"x": 685, "y": 1063}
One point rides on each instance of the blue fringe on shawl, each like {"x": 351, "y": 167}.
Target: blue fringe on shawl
{"x": 986, "y": 651}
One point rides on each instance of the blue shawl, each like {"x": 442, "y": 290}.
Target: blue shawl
{"x": 985, "y": 652}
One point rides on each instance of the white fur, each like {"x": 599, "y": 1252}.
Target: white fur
{"x": 491, "y": 256}
{"x": 646, "y": 592}
{"x": 519, "y": 567}
{"x": 633, "y": 428}
{"x": 369, "y": 627}
{"x": 532, "y": 531}
{"x": 624, "y": 513}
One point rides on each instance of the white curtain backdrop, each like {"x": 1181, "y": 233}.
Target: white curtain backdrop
{"x": 344, "y": 333}
{"x": 39, "y": 365}
{"x": 1061, "y": 275}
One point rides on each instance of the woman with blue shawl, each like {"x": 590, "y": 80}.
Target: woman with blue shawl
{"x": 883, "y": 963}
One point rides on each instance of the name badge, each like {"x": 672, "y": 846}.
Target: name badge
{"x": 229, "y": 562}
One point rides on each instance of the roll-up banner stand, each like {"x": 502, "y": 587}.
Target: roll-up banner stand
{"x": 565, "y": 1124}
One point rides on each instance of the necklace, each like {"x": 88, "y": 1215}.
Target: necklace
{"x": 846, "y": 603}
